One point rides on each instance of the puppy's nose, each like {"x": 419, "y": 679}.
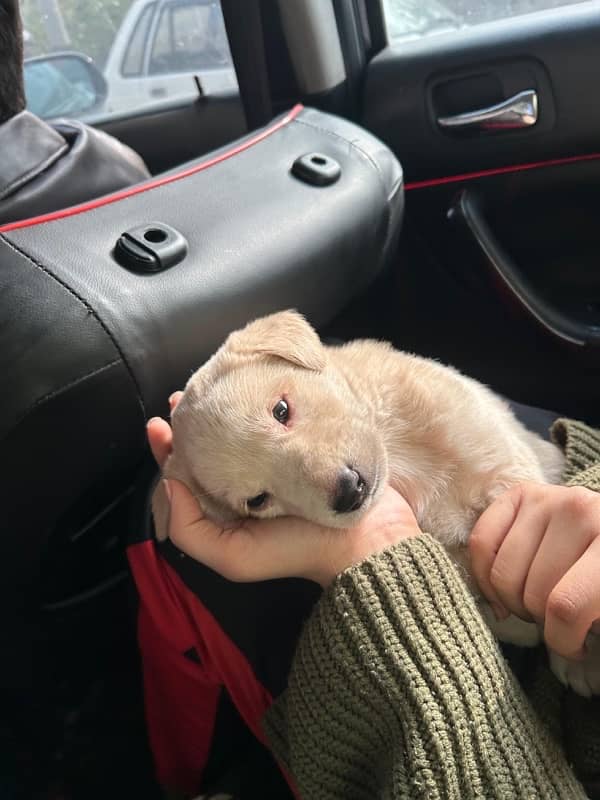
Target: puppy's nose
{"x": 350, "y": 491}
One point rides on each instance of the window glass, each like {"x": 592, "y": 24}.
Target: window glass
{"x": 162, "y": 45}
{"x": 410, "y": 19}
{"x": 133, "y": 63}
{"x": 189, "y": 36}
{"x": 110, "y": 43}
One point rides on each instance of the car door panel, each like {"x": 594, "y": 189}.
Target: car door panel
{"x": 551, "y": 52}
{"x": 175, "y": 133}
{"x": 477, "y": 202}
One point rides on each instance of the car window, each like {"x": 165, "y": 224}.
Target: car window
{"x": 189, "y": 37}
{"x": 128, "y": 55}
{"x": 133, "y": 62}
{"x": 409, "y": 19}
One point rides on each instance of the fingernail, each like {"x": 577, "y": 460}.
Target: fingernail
{"x": 172, "y": 398}
{"x": 168, "y": 490}
{"x": 151, "y": 420}
{"x": 499, "y": 611}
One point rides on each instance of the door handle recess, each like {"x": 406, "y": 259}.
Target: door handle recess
{"x": 469, "y": 210}
{"x": 520, "y": 111}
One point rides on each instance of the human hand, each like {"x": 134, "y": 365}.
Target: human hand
{"x": 535, "y": 552}
{"x": 253, "y": 550}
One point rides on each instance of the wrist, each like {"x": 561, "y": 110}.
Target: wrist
{"x": 344, "y": 552}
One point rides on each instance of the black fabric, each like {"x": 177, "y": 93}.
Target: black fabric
{"x": 239, "y": 765}
{"x": 51, "y": 442}
{"x": 48, "y": 167}
{"x": 264, "y": 619}
{"x": 537, "y": 420}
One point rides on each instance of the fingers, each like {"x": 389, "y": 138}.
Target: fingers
{"x": 536, "y": 550}
{"x": 485, "y": 542}
{"x": 510, "y": 572}
{"x": 192, "y": 532}
{"x": 160, "y": 438}
{"x": 574, "y": 605}
{"x": 562, "y": 546}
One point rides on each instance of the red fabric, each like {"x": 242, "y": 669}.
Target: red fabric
{"x": 181, "y": 696}
{"x": 138, "y": 188}
{"x": 181, "y": 705}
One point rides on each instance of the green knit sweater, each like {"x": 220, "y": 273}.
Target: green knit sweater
{"x": 399, "y": 690}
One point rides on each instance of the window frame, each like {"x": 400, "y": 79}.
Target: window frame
{"x": 152, "y": 9}
{"x": 164, "y": 8}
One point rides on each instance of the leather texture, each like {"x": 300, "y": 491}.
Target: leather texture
{"x": 90, "y": 350}
{"x": 259, "y": 240}
{"x": 44, "y": 167}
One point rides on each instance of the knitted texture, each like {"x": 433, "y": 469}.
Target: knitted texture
{"x": 399, "y": 690}
{"x": 582, "y": 450}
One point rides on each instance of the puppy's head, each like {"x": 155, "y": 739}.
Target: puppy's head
{"x": 268, "y": 427}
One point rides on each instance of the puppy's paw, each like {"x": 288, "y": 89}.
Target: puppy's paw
{"x": 581, "y": 676}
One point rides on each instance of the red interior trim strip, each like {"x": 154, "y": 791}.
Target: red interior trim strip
{"x": 486, "y": 173}
{"x": 153, "y": 184}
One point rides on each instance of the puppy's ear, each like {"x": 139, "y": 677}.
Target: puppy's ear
{"x": 284, "y": 335}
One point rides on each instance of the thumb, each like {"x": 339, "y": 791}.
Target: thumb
{"x": 194, "y": 534}
{"x": 184, "y": 511}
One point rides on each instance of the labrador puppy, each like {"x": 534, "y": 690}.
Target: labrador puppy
{"x": 276, "y": 423}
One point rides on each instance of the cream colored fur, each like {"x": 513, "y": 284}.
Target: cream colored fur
{"x": 446, "y": 442}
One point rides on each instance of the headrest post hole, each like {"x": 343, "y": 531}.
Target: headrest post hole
{"x": 150, "y": 248}
{"x": 317, "y": 169}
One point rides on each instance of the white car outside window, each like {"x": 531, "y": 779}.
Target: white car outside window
{"x": 161, "y": 46}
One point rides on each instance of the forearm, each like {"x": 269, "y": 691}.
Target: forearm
{"x": 398, "y": 689}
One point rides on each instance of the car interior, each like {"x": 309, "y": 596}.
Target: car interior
{"x": 440, "y": 194}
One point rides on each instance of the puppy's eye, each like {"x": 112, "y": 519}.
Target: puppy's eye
{"x": 281, "y": 411}
{"x": 257, "y": 502}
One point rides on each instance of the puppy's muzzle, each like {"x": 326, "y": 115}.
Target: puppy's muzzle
{"x": 350, "y": 492}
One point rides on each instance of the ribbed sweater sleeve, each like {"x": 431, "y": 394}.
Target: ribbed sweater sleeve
{"x": 399, "y": 690}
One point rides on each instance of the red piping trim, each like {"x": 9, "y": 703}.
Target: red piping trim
{"x": 486, "y": 173}
{"x": 153, "y": 184}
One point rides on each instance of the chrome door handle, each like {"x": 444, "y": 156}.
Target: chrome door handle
{"x": 520, "y": 111}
